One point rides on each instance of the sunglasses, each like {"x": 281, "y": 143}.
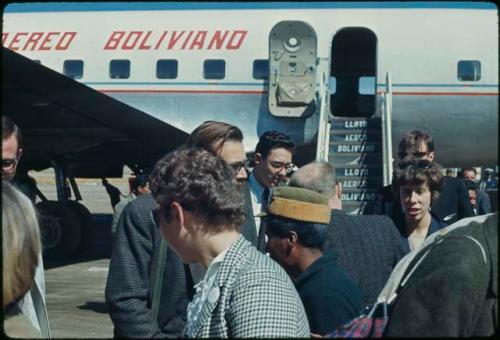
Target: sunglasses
{"x": 241, "y": 164}
{"x": 416, "y": 154}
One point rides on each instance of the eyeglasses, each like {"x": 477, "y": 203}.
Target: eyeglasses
{"x": 241, "y": 164}
{"x": 279, "y": 165}
{"x": 9, "y": 164}
{"x": 418, "y": 164}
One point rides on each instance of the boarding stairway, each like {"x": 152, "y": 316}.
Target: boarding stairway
{"x": 355, "y": 150}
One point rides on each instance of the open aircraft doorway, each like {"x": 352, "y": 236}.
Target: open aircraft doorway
{"x": 353, "y": 85}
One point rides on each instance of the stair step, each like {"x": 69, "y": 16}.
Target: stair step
{"x": 355, "y": 158}
{"x": 360, "y": 183}
{"x": 368, "y": 147}
{"x": 342, "y": 171}
{"x": 358, "y": 195}
{"x": 349, "y": 124}
{"x": 348, "y": 136}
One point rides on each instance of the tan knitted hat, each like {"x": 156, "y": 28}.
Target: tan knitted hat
{"x": 298, "y": 204}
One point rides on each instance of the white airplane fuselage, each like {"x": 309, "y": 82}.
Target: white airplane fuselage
{"x": 419, "y": 46}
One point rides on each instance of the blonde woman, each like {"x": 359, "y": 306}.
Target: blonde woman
{"x": 20, "y": 256}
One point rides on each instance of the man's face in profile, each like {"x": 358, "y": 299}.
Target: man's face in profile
{"x": 10, "y": 157}
{"x": 233, "y": 153}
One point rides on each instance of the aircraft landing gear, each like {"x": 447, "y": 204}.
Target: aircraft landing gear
{"x": 66, "y": 226}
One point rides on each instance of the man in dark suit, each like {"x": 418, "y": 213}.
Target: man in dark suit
{"x": 368, "y": 246}
{"x": 483, "y": 205}
{"x": 136, "y": 250}
{"x": 453, "y": 202}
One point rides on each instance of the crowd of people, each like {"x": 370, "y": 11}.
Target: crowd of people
{"x": 207, "y": 246}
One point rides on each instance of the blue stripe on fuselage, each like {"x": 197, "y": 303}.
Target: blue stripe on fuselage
{"x": 152, "y": 6}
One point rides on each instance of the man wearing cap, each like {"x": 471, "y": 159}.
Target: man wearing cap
{"x": 296, "y": 223}
{"x": 369, "y": 246}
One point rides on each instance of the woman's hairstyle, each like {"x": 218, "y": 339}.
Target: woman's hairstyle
{"x": 202, "y": 184}
{"x": 416, "y": 172}
{"x": 20, "y": 243}
{"x": 211, "y": 136}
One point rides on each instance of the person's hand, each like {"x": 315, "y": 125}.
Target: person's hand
{"x": 314, "y": 335}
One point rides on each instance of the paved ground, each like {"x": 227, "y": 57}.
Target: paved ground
{"x": 75, "y": 287}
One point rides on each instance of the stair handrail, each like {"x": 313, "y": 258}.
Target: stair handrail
{"x": 323, "y": 140}
{"x": 387, "y": 130}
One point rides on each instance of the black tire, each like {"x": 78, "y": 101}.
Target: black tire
{"x": 60, "y": 228}
{"x": 87, "y": 225}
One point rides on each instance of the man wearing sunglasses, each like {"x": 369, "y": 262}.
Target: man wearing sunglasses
{"x": 136, "y": 251}
{"x": 453, "y": 203}
{"x": 273, "y": 161}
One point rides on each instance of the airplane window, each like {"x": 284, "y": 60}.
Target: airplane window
{"x": 332, "y": 85}
{"x": 166, "y": 69}
{"x": 73, "y": 68}
{"x": 119, "y": 69}
{"x": 366, "y": 85}
{"x": 261, "y": 69}
{"x": 469, "y": 70}
{"x": 214, "y": 69}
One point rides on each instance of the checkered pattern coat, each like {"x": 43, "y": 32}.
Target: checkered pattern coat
{"x": 257, "y": 299}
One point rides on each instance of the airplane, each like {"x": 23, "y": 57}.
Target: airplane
{"x": 97, "y": 86}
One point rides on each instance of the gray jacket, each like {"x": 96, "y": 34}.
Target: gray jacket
{"x": 252, "y": 297}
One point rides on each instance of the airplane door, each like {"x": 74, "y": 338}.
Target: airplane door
{"x": 353, "y": 73}
{"x": 292, "y": 69}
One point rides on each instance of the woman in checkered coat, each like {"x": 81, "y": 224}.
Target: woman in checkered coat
{"x": 244, "y": 293}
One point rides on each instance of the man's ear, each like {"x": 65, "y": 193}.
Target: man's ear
{"x": 257, "y": 158}
{"x": 19, "y": 153}
{"x": 291, "y": 241}
{"x": 431, "y": 156}
{"x": 177, "y": 213}
{"x": 338, "y": 189}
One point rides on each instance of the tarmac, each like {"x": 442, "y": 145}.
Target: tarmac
{"x": 75, "y": 287}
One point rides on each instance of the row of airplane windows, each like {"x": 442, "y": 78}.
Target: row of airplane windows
{"x": 467, "y": 70}
{"x": 165, "y": 69}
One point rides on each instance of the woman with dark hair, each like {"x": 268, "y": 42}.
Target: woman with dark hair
{"x": 244, "y": 294}
{"x": 417, "y": 184}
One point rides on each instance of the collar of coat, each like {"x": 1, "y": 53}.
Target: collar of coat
{"x": 227, "y": 274}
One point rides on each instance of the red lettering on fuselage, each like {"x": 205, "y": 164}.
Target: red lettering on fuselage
{"x": 45, "y": 46}
{"x": 114, "y": 40}
{"x": 234, "y": 45}
{"x": 218, "y": 40}
{"x": 4, "y": 38}
{"x": 131, "y": 40}
{"x": 180, "y": 40}
{"x": 42, "y": 41}
{"x": 65, "y": 40}
{"x": 173, "y": 39}
{"x": 15, "y": 40}
{"x": 33, "y": 39}
{"x": 199, "y": 40}
{"x": 143, "y": 45}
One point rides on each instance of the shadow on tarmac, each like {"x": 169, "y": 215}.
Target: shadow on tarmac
{"x": 98, "y": 307}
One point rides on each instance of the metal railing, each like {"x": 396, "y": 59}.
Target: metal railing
{"x": 323, "y": 143}
{"x": 387, "y": 131}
